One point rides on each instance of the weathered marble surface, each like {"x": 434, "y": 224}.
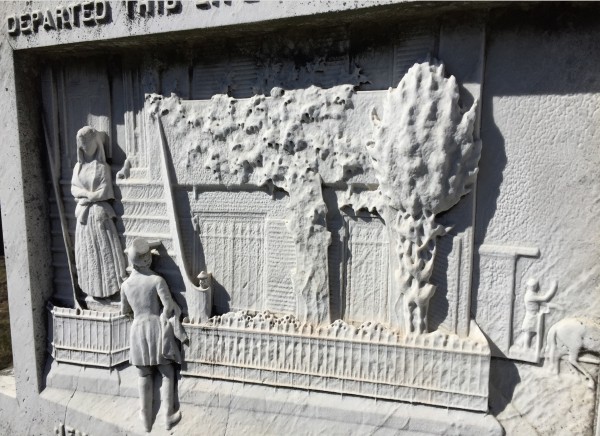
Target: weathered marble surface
{"x": 530, "y": 215}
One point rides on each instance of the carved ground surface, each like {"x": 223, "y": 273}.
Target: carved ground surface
{"x": 541, "y": 403}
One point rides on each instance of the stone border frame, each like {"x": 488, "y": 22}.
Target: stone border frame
{"x": 23, "y": 187}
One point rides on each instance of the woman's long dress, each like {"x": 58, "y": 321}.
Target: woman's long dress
{"x": 98, "y": 254}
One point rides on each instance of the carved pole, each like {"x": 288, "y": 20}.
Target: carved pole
{"x": 63, "y": 219}
{"x": 199, "y": 300}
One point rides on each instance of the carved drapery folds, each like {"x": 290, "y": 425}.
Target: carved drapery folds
{"x": 98, "y": 253}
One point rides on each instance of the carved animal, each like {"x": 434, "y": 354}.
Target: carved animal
{"x": 571, "y": 336}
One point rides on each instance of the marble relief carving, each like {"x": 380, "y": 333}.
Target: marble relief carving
{"x": 371, "y": 218}
{"x": 90, "y": 337}
{"x": 425, "y": 159}
{"x": 249, "y": 255}
{"x": 498, "y": 264}
{"x": 98, "y": 253}
{"x": 370, "y": 359}
{"x": 155, "y": 332}
{"x": 532, "y": 327}
{"x": 199, "y": 297}
{"x": 435, "y": 139}
{"x": 419, "y": 160}
{"x": 571, "y": 337}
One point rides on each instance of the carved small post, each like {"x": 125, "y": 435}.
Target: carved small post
{"x": 199, "y": 299}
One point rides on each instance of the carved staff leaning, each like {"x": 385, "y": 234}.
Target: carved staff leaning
{"x": 199, "y": 298}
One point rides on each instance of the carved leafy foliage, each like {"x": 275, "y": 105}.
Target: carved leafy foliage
{"x": 423, "y": 152}
{"x": 279, "y": 138}
{"x": 283, "y": 140}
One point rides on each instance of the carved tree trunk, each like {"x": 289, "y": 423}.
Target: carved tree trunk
{"x": 414, "y": 244}
{"x": 310, "y": 278}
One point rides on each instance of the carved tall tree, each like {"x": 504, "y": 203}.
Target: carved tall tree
{"x": 425, "y": 159}
{"x": 282, "y": 140}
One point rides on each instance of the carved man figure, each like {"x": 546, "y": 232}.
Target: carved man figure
{"x": 533, "y": 302}
{"x": 153, "y": 331}
{"x": 204, "y": 281}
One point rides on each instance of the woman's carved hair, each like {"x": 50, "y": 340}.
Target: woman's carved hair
{"x": 86, "y": 134}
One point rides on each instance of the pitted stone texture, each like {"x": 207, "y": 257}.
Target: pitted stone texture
{"x": 527, "y": 401}
{"x": 538, "y": 184}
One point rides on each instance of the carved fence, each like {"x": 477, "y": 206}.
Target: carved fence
{"x": 89, "y": 337}
{"x": 436, "y": 369}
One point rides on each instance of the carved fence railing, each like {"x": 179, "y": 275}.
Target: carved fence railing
{"x": 89, "y": 337}
{"x": 436, "y": 368}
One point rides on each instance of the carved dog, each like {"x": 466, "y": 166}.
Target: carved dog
{"x": 571, "y": 336}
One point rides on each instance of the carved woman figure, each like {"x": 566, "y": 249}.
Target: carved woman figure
{"x": 153, "y": 331}
{"x": 98, "y": 254}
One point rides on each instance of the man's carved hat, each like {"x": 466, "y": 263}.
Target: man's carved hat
{"x": 140, "y": 247}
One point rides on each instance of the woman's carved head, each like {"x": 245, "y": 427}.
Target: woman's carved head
{"x": 90, "y": 145}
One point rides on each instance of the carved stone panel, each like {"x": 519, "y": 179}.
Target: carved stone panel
{"x": 367, "y": 270}
{"x": 289, "y": 142}
{"x": 496, "y": 299}
{"x": 445, "y": 306}
{"x": 310, "y": 196}
{"x": 234, "y": 249}
{"x": 348, "y": 201}
{"x": 280, "y": 260}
